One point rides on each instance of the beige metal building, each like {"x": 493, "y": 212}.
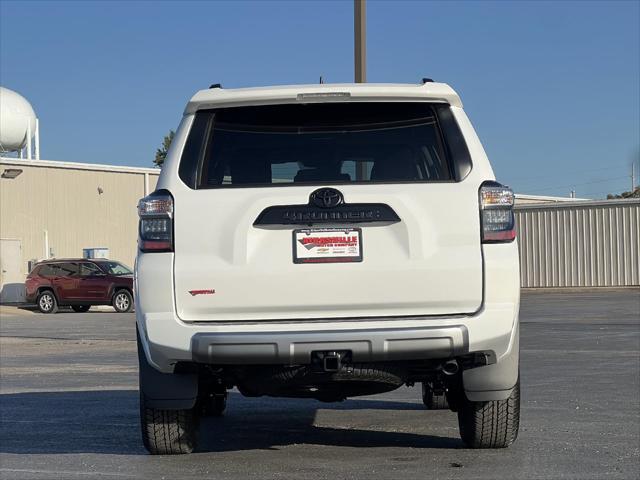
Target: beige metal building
{"x": 579, "y": 244}
{"x": 57, "y": 209}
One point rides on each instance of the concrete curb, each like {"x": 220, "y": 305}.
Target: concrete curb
{"x": 14, "y": 310}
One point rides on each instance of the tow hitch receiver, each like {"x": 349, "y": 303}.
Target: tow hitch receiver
{"x": 332, "y": 362}
{"x": 329, "y": 361}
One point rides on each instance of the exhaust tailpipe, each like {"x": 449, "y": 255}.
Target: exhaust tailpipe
{"x": 450, "y": 367}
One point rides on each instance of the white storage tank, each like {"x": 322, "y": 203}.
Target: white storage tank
{"x": 17, "y": 121}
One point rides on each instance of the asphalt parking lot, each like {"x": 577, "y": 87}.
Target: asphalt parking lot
{"x": 68, "y": 399}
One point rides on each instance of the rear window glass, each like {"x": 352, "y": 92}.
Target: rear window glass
{"x": 46, "y": 270}
{"x": 66, "y": 269}
{"x": 321, "y": 143}
{"x": 58, "y": 269}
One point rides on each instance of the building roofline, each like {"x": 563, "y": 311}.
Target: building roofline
{"x": 548, "y": 198}
{"x": 579, "y": 204}
{"x": 548, "y": 201}
{"x": 77, "y": 166}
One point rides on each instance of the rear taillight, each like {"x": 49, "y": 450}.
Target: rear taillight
{"x": 156, "y": 222}
{"x": 496, "y": 213}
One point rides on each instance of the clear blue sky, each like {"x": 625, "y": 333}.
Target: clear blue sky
{"x": 553, "y": 88}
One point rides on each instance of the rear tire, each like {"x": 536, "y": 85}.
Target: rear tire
{"x": 491, "y": 424}
{"x": 433, "y": 398}
{"x": 47, "y": 302}
{"x": 122, "y": 301}
{"x": 81, "y": 308}
{"x": 168, "y": 432}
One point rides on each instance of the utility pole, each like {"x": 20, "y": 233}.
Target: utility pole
{"x": 360, "y": 44}
{"x": 360, "y": 58}
{"x": 633, "y": 176}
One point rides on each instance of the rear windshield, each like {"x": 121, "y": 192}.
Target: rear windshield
{"x": 324, "y": 143}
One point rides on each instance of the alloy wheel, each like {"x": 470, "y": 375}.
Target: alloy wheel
{"x": 122, "y": 301}
{"x": 46, "y": 302}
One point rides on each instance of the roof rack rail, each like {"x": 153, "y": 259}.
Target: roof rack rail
{"x": 427, "y": 80}
{"x": 216, "y": 85}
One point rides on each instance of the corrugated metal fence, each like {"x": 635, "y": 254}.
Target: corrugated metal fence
{"x": 579, "y": 244}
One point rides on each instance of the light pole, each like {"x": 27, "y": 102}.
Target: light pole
{"x": 360, "y": 44}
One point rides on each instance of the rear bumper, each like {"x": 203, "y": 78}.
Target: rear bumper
{"x": 494, "y": 333}
{"x": 295, "y": 348}
{"x": 493, "y": 330}
{"x": 167, "y": 340}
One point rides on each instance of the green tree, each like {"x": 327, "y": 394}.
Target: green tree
{"x": 161, "y": 153}
{"x": 634, "y": 194}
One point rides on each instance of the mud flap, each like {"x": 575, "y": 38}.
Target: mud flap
{"x": 494, "y": 382}
{"x": 166, "y": 391}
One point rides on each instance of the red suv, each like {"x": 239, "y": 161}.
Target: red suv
{"x": 80, "y": 283}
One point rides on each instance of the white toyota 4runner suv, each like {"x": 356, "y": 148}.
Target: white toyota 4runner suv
{"x": 327, "y": 241}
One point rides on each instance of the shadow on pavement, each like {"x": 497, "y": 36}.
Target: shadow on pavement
{"x": 106, "y": 422}
{"x": 68, "y": 309}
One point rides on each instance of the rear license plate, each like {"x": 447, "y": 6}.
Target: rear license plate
{"x": 327, "y": 245}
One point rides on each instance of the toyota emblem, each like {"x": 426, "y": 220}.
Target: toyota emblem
{"x": 326, "y": 198}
